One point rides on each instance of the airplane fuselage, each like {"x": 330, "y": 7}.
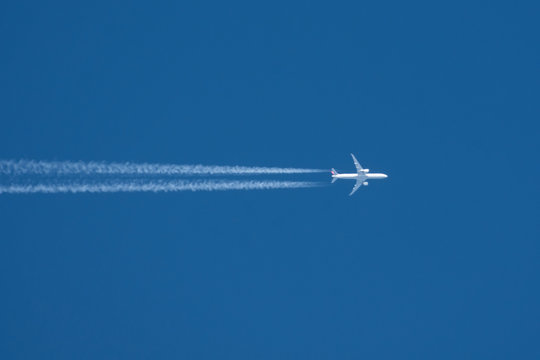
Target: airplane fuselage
{"x": 365, "y": 176}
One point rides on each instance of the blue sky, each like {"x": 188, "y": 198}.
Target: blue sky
{"x": 440, "y": 260}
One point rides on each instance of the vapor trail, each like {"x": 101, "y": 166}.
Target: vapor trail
{"x": 151, "y": 186}
{"x": 27, "y": 167}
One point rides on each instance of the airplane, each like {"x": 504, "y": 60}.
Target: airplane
{"x": 361, "y": 176}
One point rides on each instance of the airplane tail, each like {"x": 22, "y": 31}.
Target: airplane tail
{"x": 334, "y": 172}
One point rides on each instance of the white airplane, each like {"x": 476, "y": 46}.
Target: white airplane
{"x": 361, "y": 176}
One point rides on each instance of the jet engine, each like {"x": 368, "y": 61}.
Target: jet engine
{"x": 366, "y": 170}
{"x": 365, "y": 183}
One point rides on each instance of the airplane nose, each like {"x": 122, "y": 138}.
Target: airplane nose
{"x": 385, "y": 176}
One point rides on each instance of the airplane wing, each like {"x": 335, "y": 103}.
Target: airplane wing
{"x": 356, "y": 186}
{"x": 359, "y": 167}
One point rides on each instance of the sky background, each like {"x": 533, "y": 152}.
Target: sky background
{"x": 439, "y": 261}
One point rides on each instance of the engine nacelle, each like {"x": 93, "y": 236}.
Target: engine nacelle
{"x": 365, "y": 183}
{"x": 366, "y": 170}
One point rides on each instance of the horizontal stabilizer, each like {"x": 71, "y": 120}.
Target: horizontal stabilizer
{"x": 334, "y": 172}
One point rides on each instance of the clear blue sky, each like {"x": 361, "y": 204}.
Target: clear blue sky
{"x": 439, "y": 261}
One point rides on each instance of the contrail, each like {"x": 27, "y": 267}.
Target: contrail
{"x": 151, "y": 186}
{"x": 27, "y": 167}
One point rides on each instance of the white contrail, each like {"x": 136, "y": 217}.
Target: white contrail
{"x": 151, "y": 186}
{"x": 26, "y": 167}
